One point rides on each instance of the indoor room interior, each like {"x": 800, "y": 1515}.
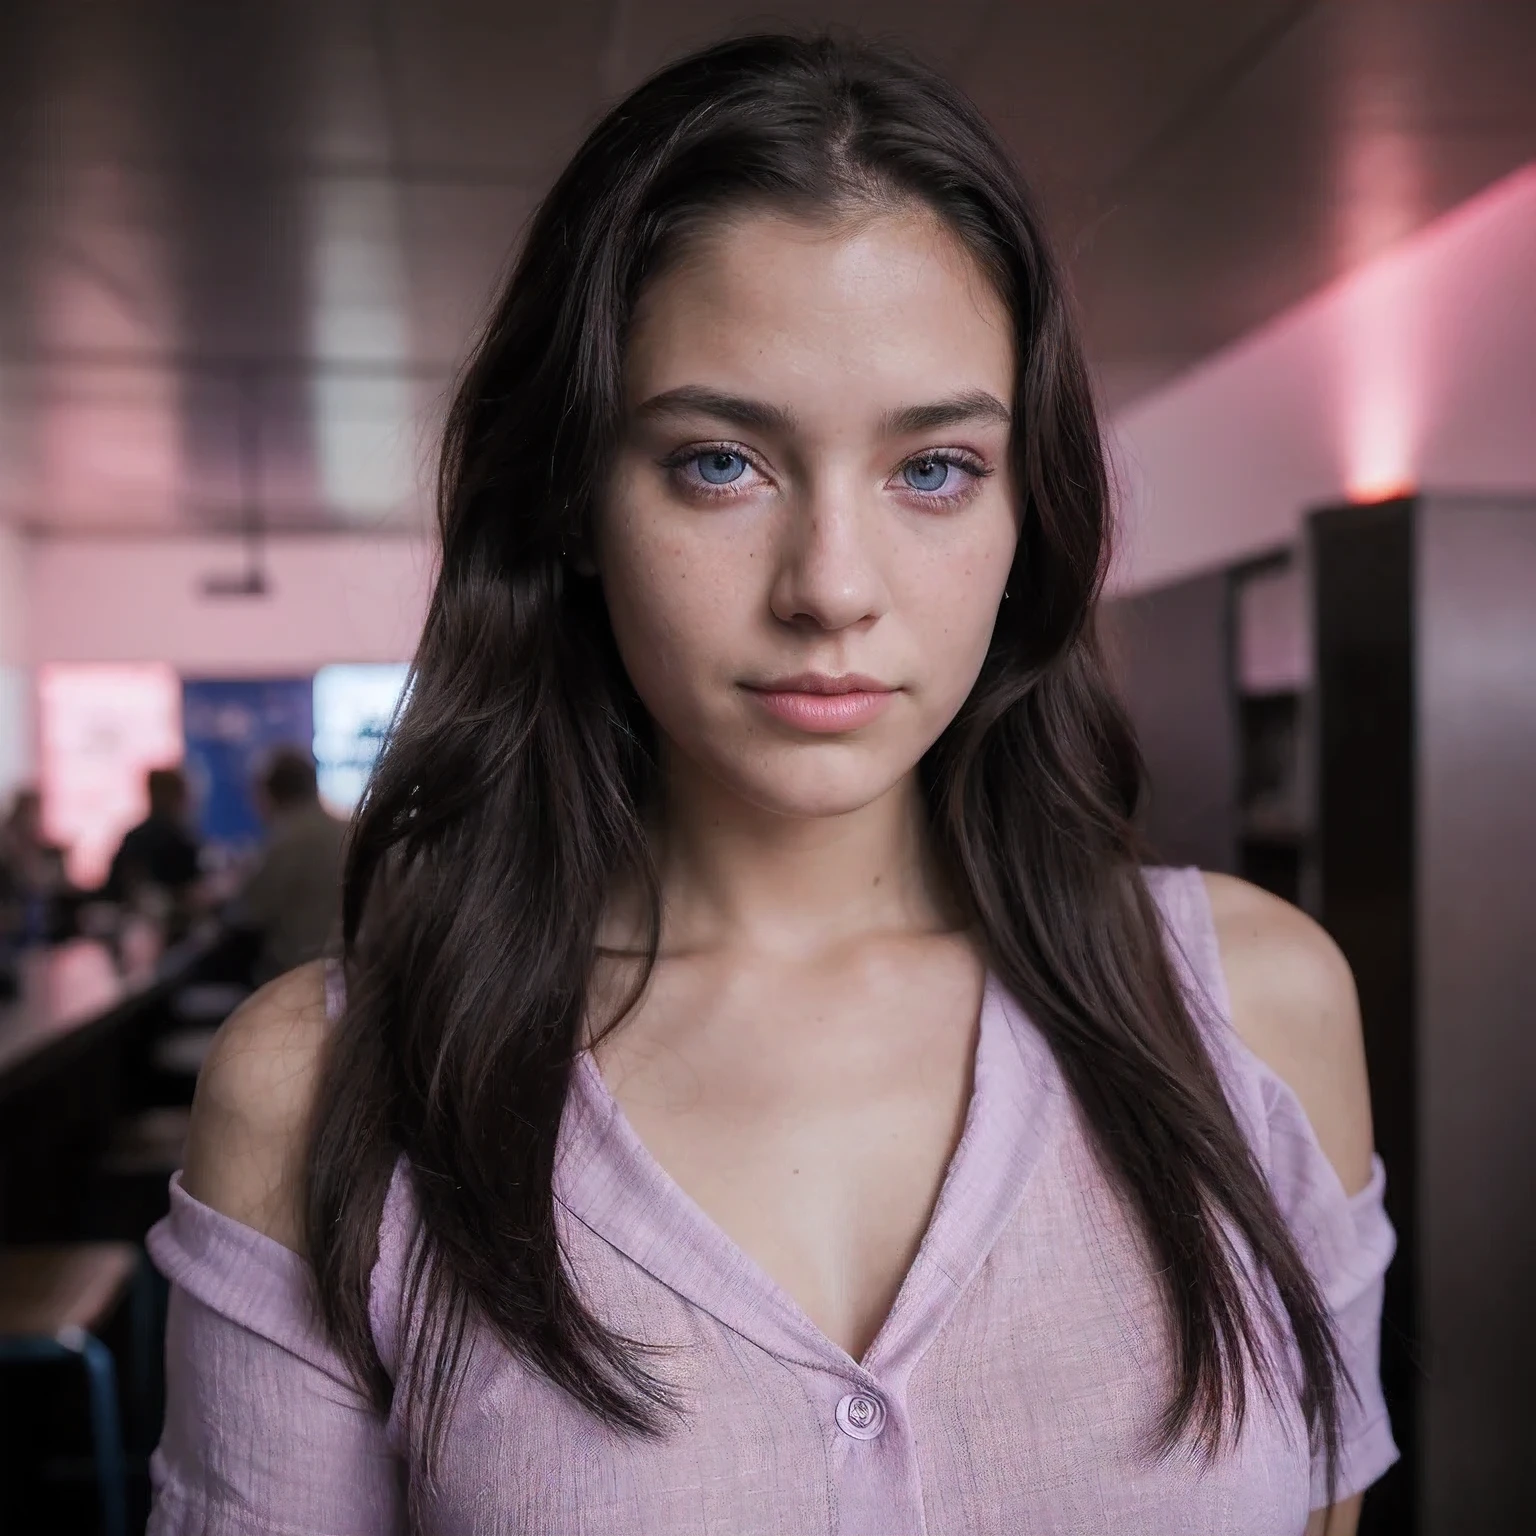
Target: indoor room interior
{"x": 244, "y": 251}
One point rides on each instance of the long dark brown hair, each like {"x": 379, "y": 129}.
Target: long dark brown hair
{"x": 508, "y": 799}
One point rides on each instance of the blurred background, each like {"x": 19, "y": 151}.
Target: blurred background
{"x": 242, "y": 249}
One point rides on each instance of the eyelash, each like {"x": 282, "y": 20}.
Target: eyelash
{"x": 958, "y": 458}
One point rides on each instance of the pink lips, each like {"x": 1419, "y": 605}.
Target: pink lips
{"x": 822, "y": 704}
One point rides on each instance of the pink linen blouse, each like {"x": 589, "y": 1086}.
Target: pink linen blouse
{"x": 1009, "y": 1390}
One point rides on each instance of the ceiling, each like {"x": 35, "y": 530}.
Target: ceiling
{"x": 244, "y": 243}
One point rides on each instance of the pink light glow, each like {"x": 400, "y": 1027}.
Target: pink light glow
{"x": 1381, "y": 325}
{"x": 100, "y": 730}
{"x": 1416, "y": 369}
{"x": 1383, "y": 380}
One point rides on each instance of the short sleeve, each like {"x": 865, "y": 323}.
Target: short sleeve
{"x": 265, "y": 1431}
{"x": 1347, "y": 1241}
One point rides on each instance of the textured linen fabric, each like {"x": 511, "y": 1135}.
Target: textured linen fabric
{"x": 1010, "y": 1390}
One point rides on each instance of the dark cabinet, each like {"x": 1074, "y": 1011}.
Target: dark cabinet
{"x": 1425, "y": 615}
{"x": 1170, "y": 651}
{"x": 1210, "y": 672}
{"x": 1384, "y": 776}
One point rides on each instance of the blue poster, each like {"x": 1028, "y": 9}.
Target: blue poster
{"x": 232, "y": 726}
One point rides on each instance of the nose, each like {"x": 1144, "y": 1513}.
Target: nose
{"x": 828, "y": 573}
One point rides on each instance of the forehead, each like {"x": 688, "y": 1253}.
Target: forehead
{"x": 835, "y": 316}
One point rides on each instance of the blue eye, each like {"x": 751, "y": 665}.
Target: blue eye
{"x": 720, "y": 466}
{"x": 927, "y": 475}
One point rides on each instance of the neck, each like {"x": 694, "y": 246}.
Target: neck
{"x": 734, "y": 874}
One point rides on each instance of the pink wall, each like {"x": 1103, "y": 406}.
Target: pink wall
{"x": 1417, "y": 369}
{"x": 343, "y": 597}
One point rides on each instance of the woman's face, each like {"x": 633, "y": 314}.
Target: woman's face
{"x": 812, "y": 492}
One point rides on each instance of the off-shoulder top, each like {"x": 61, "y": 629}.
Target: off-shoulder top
{"x": 1011, "y": 1388}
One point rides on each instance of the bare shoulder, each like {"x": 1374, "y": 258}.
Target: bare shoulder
{"x": 1294, "y": 1005}
{"x": 250, "y": 1117}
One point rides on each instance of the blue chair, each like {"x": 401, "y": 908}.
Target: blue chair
{"x": 53, "y": 1303}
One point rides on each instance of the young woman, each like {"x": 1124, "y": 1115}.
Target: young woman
{"x": 762, "y": 1091}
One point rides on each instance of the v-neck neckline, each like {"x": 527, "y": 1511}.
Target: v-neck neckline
{"x": 608, "y": 1180}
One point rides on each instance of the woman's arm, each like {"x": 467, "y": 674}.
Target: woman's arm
{"x": 1337, "y": 1520}
{"x": 265, "y": 1427}
{"x": 1294, "y": 1006}
{"x": 250, "y": 1115}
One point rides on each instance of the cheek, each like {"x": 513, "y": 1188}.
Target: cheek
{"x": 669, "y": 613}
{"x": 952, "y": 600}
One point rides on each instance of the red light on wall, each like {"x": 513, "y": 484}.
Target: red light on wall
{"x": 1383, "y": 490}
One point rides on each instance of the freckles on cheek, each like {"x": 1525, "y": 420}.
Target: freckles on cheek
{"x": 668, "y": 614}
{"x": 684, "y": 598}
{"x": 957, "y": 609}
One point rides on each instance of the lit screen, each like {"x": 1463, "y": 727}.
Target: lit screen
{"x": 354, "y": 704}
{"x": 100, "y": 730}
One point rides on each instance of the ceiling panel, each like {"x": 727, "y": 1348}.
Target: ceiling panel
{"x": 458, "y": 243}
{"x": 237, "y": 84}
{"x": 1322, "y": 156}
{"x": 262, "y": 266}
{"x": 117, "y": 446}
{"x": 244, "y": 245}
{"x": 474, "y": 97}
{"x": 1082, "y": 92}
{"x": 643, "y": 37}
{"x": 350, "y": 449}
{"x": 93, "y": 447}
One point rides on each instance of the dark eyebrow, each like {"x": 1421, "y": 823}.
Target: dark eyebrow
{"x": 696, "y": 400}
{"x": 971, "y": 405}
{"x": 759, "y": 416}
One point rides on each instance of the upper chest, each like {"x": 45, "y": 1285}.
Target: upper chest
{"x": 1017, "y": 1396}
{"x": 810, "y": 1115}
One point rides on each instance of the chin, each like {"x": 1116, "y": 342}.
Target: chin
{"x": 813, "y": 787}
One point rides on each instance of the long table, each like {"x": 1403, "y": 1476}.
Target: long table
{"x": 69, "y": 995}
{"x": 72, "y": 1048}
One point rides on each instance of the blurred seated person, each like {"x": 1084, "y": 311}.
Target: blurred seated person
{"x": 34, "y": 869}
{"x": 37, "y": 864}
{"x": 156, "y": 867}
{"x": 293, "y": 895}
{"x": 12, "y": 924}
